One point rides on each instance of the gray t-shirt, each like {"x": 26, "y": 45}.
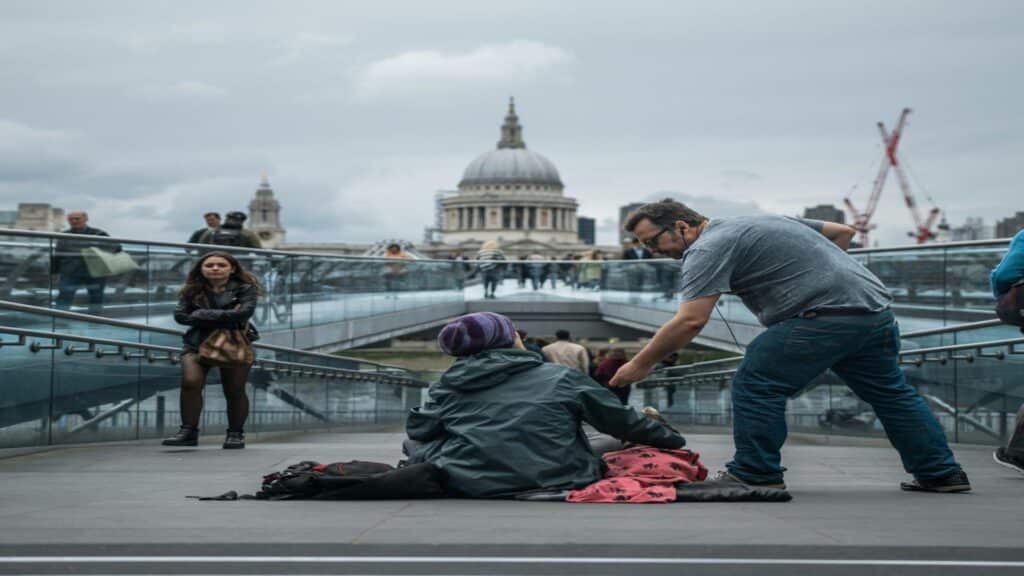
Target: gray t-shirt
{"x": 779, "y": 266}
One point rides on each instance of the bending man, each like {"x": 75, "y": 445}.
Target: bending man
{"x": 822, "y": 309}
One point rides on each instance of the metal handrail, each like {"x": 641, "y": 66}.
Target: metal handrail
{"x": 192, "y": 247}
{"x": 939, "y": 245}
{"x": 59, "y": 338}
{"x": 946, "y": 353}
{"x": 44, "y": 311}
{"x": 915, "y": 334}
{"x": 954, "y": 328}
{"x": 234, "y": 249}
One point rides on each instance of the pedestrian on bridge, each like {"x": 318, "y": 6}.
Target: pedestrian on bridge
{"x": 823, "y": 311}
{"x": 491, "y": 265}
{"x": 218, "y": 294}
{"x": 1008, "y": 287}
{"x": 69, "y": 262}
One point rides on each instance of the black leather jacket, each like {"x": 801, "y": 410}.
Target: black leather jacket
{"x": 232, "y": 308}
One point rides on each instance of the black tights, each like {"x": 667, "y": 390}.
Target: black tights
{"x": 193, "y": 378}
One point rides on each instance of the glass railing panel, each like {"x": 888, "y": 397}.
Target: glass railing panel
{"x": 969, "y": 292}
{"x": 168, "y": 268}
{"x": 272, "y": 271}
{"x": 988, "y": 393}
{"x": 25, "y": 269}
{"x": 917, "y": 281}
{"x": 305, "y": 291}
{"x": 95, "y": 397}
{"x": 352, "y": 402}
{"x": 158, "y": 387}
{"x": 294, "y": 395}
{"x": 25, "y": 379}
{"x": 647, "y": 283}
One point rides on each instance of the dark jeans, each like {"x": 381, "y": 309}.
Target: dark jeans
{"x": 69, "y": 284}
{"x": 863, "y": 352}
{"x": 394, "y": 282}
{"x": 491, "y": 282}
{"x": 1016, "y": 444}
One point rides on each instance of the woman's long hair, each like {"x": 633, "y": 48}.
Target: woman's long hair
{"x": 197, "y": 285}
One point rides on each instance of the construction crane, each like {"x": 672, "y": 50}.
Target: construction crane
{"x": 861, "y": 221}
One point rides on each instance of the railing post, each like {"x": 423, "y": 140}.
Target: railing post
{"x": 161, "y": 402}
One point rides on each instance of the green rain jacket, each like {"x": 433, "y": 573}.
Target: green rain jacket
{"x": 503, "y": 422}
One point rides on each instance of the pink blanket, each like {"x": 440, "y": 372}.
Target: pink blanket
{"x": 642, "y": 474}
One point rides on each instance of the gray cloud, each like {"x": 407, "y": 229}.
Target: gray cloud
{"x": 147, "y": 114}
{"x": 710, "y": 206}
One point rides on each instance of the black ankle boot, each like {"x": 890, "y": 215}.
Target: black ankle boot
{"x": 234, "y": 440}
{"x": 186, "y": 436}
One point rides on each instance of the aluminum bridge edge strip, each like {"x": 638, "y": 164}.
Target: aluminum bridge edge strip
{"x": 497, "y": 560}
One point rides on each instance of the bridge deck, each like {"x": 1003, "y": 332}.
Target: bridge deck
{"x": 129, "y": 498}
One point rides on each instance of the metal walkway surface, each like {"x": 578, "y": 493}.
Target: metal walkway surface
{"x": 121, "y": 508}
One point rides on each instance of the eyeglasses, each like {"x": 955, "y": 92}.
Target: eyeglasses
{"x": 652, "y": 242}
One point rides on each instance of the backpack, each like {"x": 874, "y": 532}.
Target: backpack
{"x": 354, "y": 480}
{"x": 227, "y": 237}
{"x": 1010, "y": 307}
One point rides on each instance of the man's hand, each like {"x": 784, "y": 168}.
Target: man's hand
{"x": 840, "y": 234}
{"x": 629, "y": 372}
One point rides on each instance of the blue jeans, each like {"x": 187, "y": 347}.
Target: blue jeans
{"x": 863, "y": 352}
{"x": 67, "y": 285}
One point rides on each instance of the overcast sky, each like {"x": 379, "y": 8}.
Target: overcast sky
{"x": 149, "y": 113}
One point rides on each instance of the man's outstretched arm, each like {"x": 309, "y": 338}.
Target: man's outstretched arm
{"x": 676, "y": 333}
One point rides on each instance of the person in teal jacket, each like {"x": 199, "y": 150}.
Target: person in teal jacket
{"x": 501, "y": 421}
{"x": 1010, "y": 271}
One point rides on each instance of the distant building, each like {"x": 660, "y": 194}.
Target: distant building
{"x": 972, "y": 229}
{"x": 1009, "y": 227}
{"x": 36, "y": 216}
{"x": 587, "y": 230}
{"x": 512, "y": 195}
{"x": 624, "y": 212}
{"x": 265, "y": 216}
{"x": 826, "y": 212}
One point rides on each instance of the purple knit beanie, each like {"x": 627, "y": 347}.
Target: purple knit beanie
{"x": 476, "y": 332}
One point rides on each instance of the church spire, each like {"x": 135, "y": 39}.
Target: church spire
{"x": 511, "y": 131}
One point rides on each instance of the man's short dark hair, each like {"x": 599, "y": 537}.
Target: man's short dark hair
{"x": 238, "y": 216}
{"x": 214, "y": 214}
{"x": 664, "y": 214}
{"x": 562, "y": 334}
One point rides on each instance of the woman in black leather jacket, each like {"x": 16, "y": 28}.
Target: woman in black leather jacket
{"x": 218, "y": 293}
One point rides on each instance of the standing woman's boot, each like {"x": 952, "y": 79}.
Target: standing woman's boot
{"x": 234, "y": 440}
{"x": 186, "y": 436}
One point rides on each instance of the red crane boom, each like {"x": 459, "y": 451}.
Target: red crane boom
{"x": 862, "y": 220}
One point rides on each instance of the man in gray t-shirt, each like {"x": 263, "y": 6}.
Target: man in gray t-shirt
{"x": 779, "y": 268}
{"x": 823, "y": 311}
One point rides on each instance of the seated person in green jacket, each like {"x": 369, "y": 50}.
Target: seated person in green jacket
{"x": 501, "y": 421}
